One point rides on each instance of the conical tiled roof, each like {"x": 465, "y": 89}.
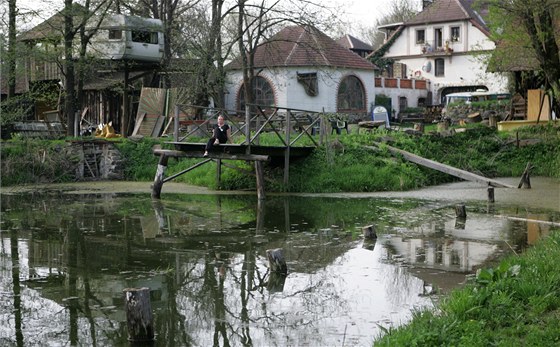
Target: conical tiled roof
{"x": 304, "y": 46}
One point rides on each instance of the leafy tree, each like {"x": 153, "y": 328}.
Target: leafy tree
{"x": 528, "y": 35}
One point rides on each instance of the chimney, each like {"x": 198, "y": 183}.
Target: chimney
{"x": 426, "y": 3}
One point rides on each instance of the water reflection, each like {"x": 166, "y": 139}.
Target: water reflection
{"x": 65, "y": 260}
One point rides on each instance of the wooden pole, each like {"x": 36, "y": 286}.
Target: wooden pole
{"x": 176, "y": 124}
{"x": 125, "y": 117}
{"x": 491, "y": 194}
{"x": 460, "y": 211}
{"x": 287, "y": 152}
{"x": 369, "y": 232}
{"x": 219, "y": 173}
{"x": 276, "y": 260}
{"x": 260, "y": 180}
{"x": 158, "y": 180}
{"x": 525, "y": 178}
{"x": 139, "y": 317}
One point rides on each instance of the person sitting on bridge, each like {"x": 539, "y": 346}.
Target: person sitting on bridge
{"x": 221, "y": 133}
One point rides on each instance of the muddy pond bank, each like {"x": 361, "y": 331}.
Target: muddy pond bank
{"x": 544, "y": 193}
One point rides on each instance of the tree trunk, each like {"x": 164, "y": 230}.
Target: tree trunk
{"x": 69, "y": 85}
{"x": 12, "y": 49}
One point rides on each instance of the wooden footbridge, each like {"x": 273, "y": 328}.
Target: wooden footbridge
{"x": 289, "y": 125}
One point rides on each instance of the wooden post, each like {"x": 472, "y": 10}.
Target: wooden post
{"x": 419, "y": 127}
{"x": 125, "y": 116}
{"x": 158, "y": 180}
{"x": 460, "y": 211}
{"x": 276, "y": 260}
{"x": 525, "y": 178}
{"x": 275, "y": 283}
{"x": 176, "y": 124}
{"x": 369, "y": 232}
{"x": 493, "y": 121}
{"x": 219, "y": 173}
{"x": 490, "y": 194}
{"x": 260, "y": 180}
{"x": 139, "y": 317}
{"x": 287, "y": 151}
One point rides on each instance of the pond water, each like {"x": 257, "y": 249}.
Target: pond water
{"x": 65, "y": 260}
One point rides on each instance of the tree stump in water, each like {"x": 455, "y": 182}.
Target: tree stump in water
{"x": 139, "y": 317}
{"x": 525, "y": 178}
{"x": 369, "y": 232}
{"x": 491, "y": 194}
{"x": 460, "y": 211}
{"x": 276, "y": 260}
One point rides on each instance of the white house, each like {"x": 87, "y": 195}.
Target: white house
{"x": 302, "y": 68}
{"x": 447, "y": 44}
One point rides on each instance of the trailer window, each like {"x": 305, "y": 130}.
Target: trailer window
{"x": 115, "y": 34}
{"x": 144, "y": 37}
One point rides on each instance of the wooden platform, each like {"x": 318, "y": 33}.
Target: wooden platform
{"x": 274, "y": 152}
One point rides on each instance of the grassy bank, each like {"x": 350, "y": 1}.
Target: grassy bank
{"x": 515, "y": 304}
{"x": 342, "y": 164}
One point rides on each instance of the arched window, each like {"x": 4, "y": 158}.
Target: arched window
{"x": 351, "y": 95}
{"x": 264, "y": 94}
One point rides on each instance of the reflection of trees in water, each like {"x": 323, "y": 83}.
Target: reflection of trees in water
{"x": 400, "y": 284}
{"x": 228, "y": 296}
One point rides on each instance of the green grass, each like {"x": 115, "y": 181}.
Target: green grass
{"x": 341, "y": 164}
{"x": 515, "y": 304}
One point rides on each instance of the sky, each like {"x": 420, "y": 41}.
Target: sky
{"x": 358, "y": 13}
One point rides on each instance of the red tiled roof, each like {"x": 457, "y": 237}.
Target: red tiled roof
{"x": 304, "y": 46}
{"x": 350, "y": 42}
{"x": 449, "y": 10}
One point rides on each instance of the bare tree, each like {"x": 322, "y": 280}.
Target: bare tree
{"x": 12, "y": 48}
{"x": 399, "y": 11}
{"x": 529, "y": 30}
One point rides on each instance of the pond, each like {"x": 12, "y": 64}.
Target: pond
{"x": 65, "y": 259}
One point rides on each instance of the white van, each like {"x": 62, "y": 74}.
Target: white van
{"x": 469, "y": 97}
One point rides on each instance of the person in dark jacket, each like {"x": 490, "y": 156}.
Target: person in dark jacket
{"x": 220, "y": 134}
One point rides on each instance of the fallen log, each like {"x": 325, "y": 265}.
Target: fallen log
{"x": 465, "y": 175}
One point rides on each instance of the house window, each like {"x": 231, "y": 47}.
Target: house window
{"x": 351, "y": 95}
{"x": 309, "y": 82}
{"x": 438, "y": 37}
{"x": 144, "y": 36}
{"x": 403, "y": 103}
{"x": 439, "y": 69}
{"x": 263, "y": 93}
{"x": 115, "y": 34}
{"x": 455, "y": 34}
{"x": 420, "y": 37}
{"x": 404, "y": 70}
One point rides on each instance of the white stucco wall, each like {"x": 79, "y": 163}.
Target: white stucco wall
{"x": 289, "y": 93}
{"x": 465, "y": 66}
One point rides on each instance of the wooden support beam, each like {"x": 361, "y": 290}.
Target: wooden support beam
{"x": 462, "y": 174}
{"x": 215, "y": 155}
{"x": 158, "y": 180}
{"x": 186, "y": 170}
{"x": 260, "y": 180}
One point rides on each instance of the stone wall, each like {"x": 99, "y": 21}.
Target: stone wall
{"x": 96, "y": 160}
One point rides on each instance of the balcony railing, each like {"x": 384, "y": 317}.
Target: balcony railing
{"x": 401, "y": 83}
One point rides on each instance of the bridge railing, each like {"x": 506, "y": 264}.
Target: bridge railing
{"x": 191, "y": 121}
